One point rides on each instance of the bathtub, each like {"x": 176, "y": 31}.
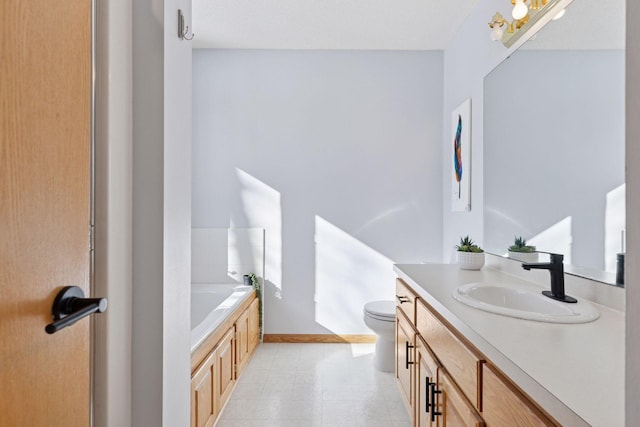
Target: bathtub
{"x": 211, "y": 304}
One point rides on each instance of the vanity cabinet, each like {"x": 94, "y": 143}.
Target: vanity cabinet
{"x": 439, "y": 401}
{"x": 446, "y": 381}
{"x": 218, "y": 362}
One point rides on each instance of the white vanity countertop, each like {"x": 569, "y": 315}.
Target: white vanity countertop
{"x": 575, "y": 371}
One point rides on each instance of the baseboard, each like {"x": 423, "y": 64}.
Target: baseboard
{"x": 319, "y": 338}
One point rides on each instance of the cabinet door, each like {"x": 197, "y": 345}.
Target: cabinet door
{"x": 426, "y": 371}
{"x": 225, "y": 368}
{"x": 404, "y": 358}
{"x": 242, "y": 341}
{"x": 504, "y": 405}
{"x": 204, "y": 401}
{"x": 254, "y": 325}
{"x": 455, "y": 409}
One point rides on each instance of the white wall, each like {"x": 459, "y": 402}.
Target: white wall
{"x": 161, "y": 216}
{"x": 112, "y": 374}
{"x": 633, "y": 216}
{"x": 225, "y": 255}
{"x": 470, "y": 56}
{"x": 337, "y": 155}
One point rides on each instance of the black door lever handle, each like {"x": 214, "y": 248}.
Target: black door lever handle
{"x": 70, "y": 306}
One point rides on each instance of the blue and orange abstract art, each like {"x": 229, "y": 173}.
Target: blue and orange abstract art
{"x": 461, "y": 135}
{"x": 457, "y": 154}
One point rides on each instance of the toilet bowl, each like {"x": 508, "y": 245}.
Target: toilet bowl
{"x": 380, "y": 317}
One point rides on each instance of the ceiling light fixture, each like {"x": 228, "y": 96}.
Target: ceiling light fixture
{"x": 528, "y": 18}
{"x": 520, "y": 10}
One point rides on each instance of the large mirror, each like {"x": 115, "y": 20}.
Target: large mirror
{"x": 554, "y": 118}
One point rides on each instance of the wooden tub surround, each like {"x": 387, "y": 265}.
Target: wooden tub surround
{"x": 218, "y": 362}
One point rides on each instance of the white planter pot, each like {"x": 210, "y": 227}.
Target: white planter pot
{"x": 524, "y": 256}
{"x": 470, "y": 260}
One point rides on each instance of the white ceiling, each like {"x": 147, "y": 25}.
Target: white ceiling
{"x": 328, "y": 24}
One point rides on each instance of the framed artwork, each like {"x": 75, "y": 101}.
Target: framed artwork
{"x": 460, "y": 160}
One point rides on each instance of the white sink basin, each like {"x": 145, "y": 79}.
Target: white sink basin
{"x": 515, "y": 301}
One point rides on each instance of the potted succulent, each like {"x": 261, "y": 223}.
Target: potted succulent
{"x": 522, "y": 252}
{"x": 469, "y": 256}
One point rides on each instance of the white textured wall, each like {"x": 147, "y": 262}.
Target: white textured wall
{"x": 337, "y": 155}
{"x": 161, "y": 216}
{"x": 632, "y": 279}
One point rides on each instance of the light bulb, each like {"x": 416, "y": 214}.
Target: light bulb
{"x": 559, "y": 15}
{"x": 496, "y": 33}
{"x": 520, "y": 10}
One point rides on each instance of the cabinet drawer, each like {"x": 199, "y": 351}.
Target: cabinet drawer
{"x": 463, "y": 364}
{"x": 406, "y": 300}
{"x": 504, "y": 405}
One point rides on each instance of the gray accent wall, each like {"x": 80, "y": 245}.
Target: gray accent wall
{"x": 337, "y": 154}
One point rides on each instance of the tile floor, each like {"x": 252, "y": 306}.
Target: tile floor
{"x": 314, "y": 385}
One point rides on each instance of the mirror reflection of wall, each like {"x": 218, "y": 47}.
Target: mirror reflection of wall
{"x": 554, "y": 143}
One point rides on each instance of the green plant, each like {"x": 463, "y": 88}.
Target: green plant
{"x": 520, "y": 245}
{"x": 467, "y": 245}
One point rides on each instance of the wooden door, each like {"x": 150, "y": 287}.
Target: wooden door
{"x": 45, "y": 111}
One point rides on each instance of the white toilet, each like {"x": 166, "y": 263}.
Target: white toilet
{"x": 380, "y": 317}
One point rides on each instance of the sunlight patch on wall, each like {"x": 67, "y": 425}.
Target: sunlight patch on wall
{"x": 348, "y": 275}
{"x": 262, "y": 208}
{"x": 615, "y": 220}
{"x": 556, "y": 238}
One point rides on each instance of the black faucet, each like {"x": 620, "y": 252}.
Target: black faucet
{"x": 556, "y": 269}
